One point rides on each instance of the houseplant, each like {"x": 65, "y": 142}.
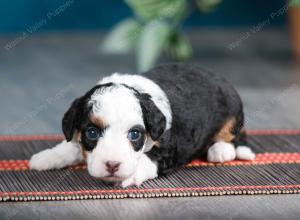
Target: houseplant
{"x": 155, "y": 28}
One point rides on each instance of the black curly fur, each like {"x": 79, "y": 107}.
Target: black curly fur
{"x": 201, "y": 103}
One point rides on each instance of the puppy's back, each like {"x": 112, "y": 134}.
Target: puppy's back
{"x": 201, "y": 103}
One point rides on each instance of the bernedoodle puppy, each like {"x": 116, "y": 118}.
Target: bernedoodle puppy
{"x": 132, "y": 128}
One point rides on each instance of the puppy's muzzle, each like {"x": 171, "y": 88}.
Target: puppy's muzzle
{"x": 112, "y": 166}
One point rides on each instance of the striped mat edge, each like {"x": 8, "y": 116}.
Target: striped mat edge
{"x": 261, "y": 159}
{"x": 265, "y": 158}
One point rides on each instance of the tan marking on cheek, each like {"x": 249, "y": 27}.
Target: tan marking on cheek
{"x": 83, "y": 151}
{"x": 225, "y": 134}
{"x": 79, "y": 137}
{"x": 155, "y": 143}
{"x": 100, "y": 122}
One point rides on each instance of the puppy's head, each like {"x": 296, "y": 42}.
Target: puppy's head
{"x": 114, "y": 124}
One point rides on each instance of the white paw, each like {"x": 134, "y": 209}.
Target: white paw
{"x": 62, "y": 155}
{"x": 146, "y": 170}
{"x": 244, "y": 153}
{"x": 137, "y": 179}
{"x": 131, "y": 181}
{"x": 44, "y": 160}
{"x": 221, "y": 152}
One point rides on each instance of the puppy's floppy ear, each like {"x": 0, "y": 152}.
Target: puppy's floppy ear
{"x": 72, "y": 118}
{"x": 154, "y": 119}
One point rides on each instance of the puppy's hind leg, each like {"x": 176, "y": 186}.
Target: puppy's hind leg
{"x": 62, "y": 155}
{"x": 243, "y": 152}
{"x": 221, "y": 152}
{"x": 223, "y": 149}
{"x": 229, "y": 137}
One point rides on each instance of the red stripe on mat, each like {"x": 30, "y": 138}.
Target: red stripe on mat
{"x": 261, "y": 159}
{"x": 59, "y": 137}
{"x": 48, "y": 137}
{"x": 210, "y": 188}
{"x": 274, "y": 132}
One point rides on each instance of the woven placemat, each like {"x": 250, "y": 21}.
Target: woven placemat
{"x": 276, "y": 170}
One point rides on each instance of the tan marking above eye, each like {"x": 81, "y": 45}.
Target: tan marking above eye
{"x": 100, "y": 122}
{"x": 225, "y": 134}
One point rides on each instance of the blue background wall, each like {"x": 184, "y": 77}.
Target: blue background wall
{"x": 17, "y": 15}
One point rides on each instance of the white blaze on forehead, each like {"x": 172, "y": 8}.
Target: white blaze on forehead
{"x": 120, "y": 109}
{"x": 144, "y": 85}
{"x": 118, "y": 106}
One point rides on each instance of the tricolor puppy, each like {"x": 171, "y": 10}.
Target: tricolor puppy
{"x": 131, "y": 128}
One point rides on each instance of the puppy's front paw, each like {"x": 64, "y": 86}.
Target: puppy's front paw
{"x": 44, "y": 160}
{"x": 137, "y": 179}
{"x": 244, "y": 153}
{"x": 146, "y": 170}
{"x": 221, "y": 152}
{"x": 62, "y": 155}
{"x": 131, "y": 181}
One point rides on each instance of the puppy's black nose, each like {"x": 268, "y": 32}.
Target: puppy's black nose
{"x": 112, "y": 166}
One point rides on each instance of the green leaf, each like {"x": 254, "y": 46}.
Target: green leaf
{"x": 152, "y": 42}
{"x": 180, "y": 48}
{"x": 294, "y": 3}
{"x": 207, "y": 6}
{"x": 157, "y": 9}
{"x": 122, "y": 38}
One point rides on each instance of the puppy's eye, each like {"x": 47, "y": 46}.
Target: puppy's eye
{"x": 134, "y": 135}
{"x": 92, "y": 133}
